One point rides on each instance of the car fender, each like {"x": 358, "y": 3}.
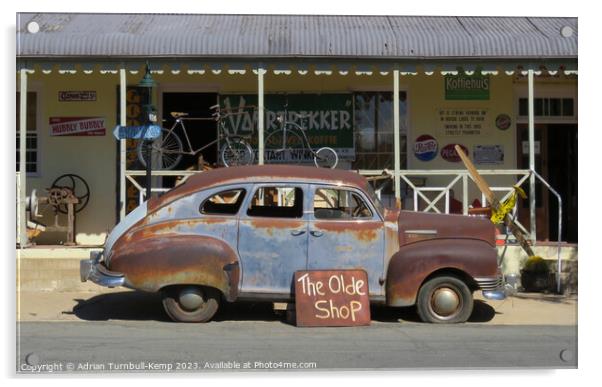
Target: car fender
{"x": 413, "y": 263}
{"x": 153, "y": 263}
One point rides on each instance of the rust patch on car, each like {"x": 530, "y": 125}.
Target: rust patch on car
{"x": 268, "y": 223}
{"x": 412, "y": 264}
{"x": 173, "y": 259}
{"x": 365, "y": 231}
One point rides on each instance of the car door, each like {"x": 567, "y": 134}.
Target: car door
{"x": 346, "y": 232}
{"x": 272, "y": 241}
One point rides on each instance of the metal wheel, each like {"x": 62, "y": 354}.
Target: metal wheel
{"x": 236, "y": 151}
{"x": 166, "y": 151}
{"x": 326, "y": 158}
{"x": 277, "y": 152}
{"x": 444, "y": 299}
{"x": 190, "y": 303}
{"x": 78, "y": 186}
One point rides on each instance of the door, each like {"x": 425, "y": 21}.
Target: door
{"x": 541, "y": 193}
{"x": 562, "y": 176}
{"x": 272, "y": 241}
{"x": 556, "y": 160}
{"x": 345, "y": 232}
{"x": 199, "y": 132}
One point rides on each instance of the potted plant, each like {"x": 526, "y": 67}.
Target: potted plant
{"x": 535, "y": 275}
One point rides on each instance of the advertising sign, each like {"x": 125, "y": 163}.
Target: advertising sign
{"x": 463, "y": 121}
{"x": 448, "y": 153}
{"x": 503, "y": 121}
{"x": 77, "y": 96}
{"x": 327, "y": 120}
{"x": 467, "y": 87}
{"x": 332, "y": 298}
{"x": 77, "y": 126}
{"x": 488, "y": 154}
{"x": 425, "y": 147}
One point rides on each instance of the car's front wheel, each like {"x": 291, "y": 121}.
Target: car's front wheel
{"x": 444, "y": 299}
{"x": 190, "y": 303}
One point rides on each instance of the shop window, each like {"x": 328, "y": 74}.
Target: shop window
{"x": 277, "y": 202}
{"x": 31, "y": 155}
{"x": 547, "y": 107}
{"x": 223, "y": 203}
{"x": 373, "y": 126}
{"x": 339, "y": 204}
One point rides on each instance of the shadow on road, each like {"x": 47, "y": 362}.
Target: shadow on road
{"x": 121, "y": 306}
{"x": 142, "y": 306}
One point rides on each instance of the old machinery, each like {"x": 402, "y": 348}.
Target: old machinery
{"x": 69, "y": 194}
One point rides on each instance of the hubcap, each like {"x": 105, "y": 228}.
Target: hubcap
{"x": 445, "y": 301}
{"x": 191, "y": 298}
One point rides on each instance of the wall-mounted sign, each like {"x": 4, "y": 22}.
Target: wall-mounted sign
{"x": 462, "y": 121}
{"x": 503, "y": 121}
{"x": 327, "y": 120}
{"x": 448, "y": 153}
{"x": 332, "y": 298}
{"x": 425, "y": 147}
{"x": 77, "y": 126}
{"x": 467, "y": 87}
{"x": 77, "y": 96}
{"x": 488, "y": 154}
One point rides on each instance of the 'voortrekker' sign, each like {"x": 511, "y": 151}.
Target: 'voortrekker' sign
{"x": 326, "y": 119}
{"x": 334, "y": 298}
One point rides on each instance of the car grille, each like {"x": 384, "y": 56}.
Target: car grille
{"x": 490, "y": 283}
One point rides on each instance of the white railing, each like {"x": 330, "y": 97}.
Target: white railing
{"x": 417, "y": 181}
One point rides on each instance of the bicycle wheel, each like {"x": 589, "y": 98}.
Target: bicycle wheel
{"x": 326, "y": 158}
{"x": 236, "y": 151}
{"x": 166, "y": 151}
{"x": 277, "y": 152}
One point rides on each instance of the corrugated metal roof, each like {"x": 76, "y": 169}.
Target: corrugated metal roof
{"x": 286, "y": 36}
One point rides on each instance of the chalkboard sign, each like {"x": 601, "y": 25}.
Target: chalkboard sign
{"x": 332, "y": 298}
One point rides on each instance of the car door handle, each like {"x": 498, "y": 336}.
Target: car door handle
{"x": 316, "y": 233}
{"x": 297, "y": 232}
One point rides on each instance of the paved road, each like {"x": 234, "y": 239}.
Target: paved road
{"x": 158, "y": 345}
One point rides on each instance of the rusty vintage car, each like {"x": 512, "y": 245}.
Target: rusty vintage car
{"x": 241, "y": 233}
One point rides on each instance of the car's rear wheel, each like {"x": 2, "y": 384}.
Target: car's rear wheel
{"x": 444, "y": 300}
{"x": 190, "y": 303}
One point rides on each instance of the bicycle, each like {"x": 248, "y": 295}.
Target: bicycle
{"x": 290, "y": 143}
{"x": 168, "y": 149}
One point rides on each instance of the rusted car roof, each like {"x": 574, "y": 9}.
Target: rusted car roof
{"x": 259, "y": 173}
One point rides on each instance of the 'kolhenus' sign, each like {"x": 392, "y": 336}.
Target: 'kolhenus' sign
{"x": 327, "y": 119}
{"x": 467, "y": 87}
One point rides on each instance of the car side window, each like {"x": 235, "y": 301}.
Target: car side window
{"x": 277, "y": 202}
{"x": 223, "y": 203}
{"x": 330, "y": 203}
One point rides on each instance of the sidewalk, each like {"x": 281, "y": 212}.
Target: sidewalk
{"x": 124, "y": 304}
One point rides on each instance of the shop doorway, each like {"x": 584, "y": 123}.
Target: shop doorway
{"x": 200, "y": 132}
{"x": 556, "y": 161}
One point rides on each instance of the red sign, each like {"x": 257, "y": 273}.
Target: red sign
{"x": 77, "y": 126}
{"x": 334, "y": 298}
{"x": 448, "y": 153}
